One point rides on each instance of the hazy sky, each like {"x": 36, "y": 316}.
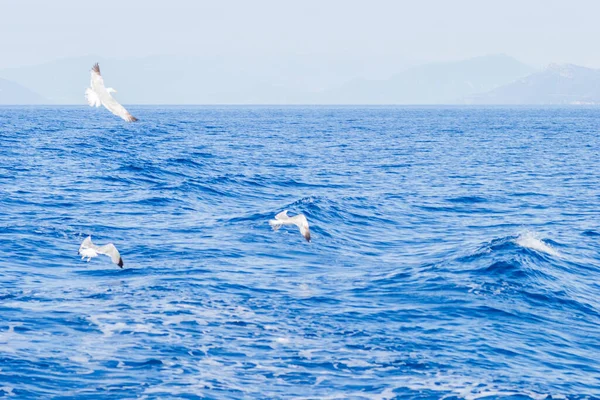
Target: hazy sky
{"x": 384, "y": 32}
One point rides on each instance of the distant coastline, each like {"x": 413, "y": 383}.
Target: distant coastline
{"x": 486, "y": 80}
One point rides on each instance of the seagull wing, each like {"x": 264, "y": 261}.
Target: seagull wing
{"x": 111, "y": 251}
{"x": 302, "y": 223}
{"x": 97, "y": 80}
{"x": 86, "y": 244}
{"x": 282, "y": 215}
{"x": 106, "y": 99}
{"x": 114, "y": 107}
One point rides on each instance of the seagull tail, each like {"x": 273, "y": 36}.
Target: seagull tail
{"x": 92, "y": 98}
{"x": 275, "y": 224}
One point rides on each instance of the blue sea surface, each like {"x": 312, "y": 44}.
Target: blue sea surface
{"x": 455, "y": 253}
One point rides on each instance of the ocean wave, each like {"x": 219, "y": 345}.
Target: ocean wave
{"x": 531, "y": 240}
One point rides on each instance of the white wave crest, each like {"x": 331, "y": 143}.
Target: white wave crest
{"x": 530, "y": 240}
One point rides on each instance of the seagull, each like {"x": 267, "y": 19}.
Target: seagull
{"x": 97, "y": 95}
{"x": 89, "y": 250}
{"x": 299, "y": 220}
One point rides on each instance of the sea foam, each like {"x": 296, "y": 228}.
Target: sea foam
{"x": 531, "y": 241}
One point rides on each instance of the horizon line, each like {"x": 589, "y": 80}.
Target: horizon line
{"x": 315, "y": 105}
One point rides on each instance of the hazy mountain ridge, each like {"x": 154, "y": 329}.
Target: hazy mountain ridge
{"x": 492, "y": 79}
{"x": 436, "y": 83}
{"x": 12, "y": 93}
{"x": 188, "y": 79}
{"x": 556, "y": 84}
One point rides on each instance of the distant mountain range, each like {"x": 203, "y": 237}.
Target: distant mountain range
{"x": 12, "y": 93}
{"x": 438, "y": 83}
{"x": 557, "y": 84}
{"x": 493, "y": 79}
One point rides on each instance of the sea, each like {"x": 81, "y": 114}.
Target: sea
{"x": 455, "y": 253}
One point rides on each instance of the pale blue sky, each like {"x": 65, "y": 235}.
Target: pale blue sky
{"x": 380, "y": 33}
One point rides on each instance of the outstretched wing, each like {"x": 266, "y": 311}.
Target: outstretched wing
{"x": 86, "y": 244}
{"x": 97, "y": 81}
{"x": 282, "y": 215}
{"x": 106, "y": 99}
{"x": 111, "y": 251}
{"x": 114, "y": 107}
{"x": 303, "y": 225}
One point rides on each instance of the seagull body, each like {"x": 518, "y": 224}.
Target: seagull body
{"x": 89, "y": 250}
{"x": 97, "y": 95}
{"x": 299, "y": 220}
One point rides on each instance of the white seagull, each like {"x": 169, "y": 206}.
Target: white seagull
{"x": 97, "y": 95}
{"x": 299, "y": 220}
{"x": 89, "y": 250}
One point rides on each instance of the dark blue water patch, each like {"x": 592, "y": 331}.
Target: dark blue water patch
{"x": 512, "y": 270}
{"x": 191, "y": 163}
{"x": 468, "y": 199}
{"x": 590, "y": 232}
{"x": 453, "y": 253}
